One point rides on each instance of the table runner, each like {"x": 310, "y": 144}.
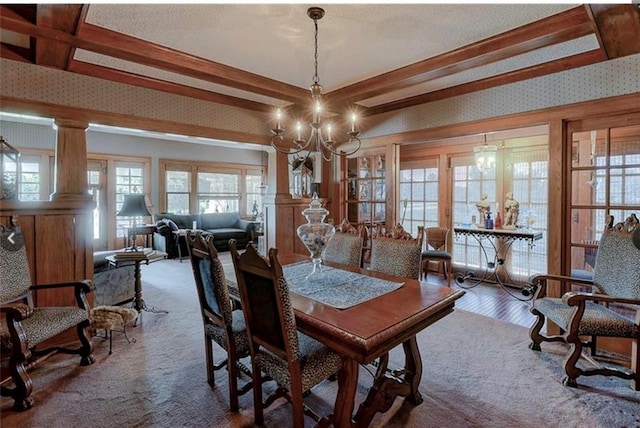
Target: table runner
{"x": 336, "y": 287}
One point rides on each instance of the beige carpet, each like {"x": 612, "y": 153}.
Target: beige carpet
{"x": 478, "y": 372}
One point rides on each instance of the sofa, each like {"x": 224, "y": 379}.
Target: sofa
{"x": 114, "y": 286}
{"x": 223, "y": 226}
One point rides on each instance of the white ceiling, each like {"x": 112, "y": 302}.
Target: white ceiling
{"x": 356, "y": 41}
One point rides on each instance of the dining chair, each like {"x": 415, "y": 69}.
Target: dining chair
{"x": 583, "y": 316}
{"x": 345, "y": 247}
{"x": 223, "y": 323}
{"x": 396, "y": 252}
{"x": 294, "y": 360}
{"x": 26, "y": 329}
{"x": 437, "y": 240}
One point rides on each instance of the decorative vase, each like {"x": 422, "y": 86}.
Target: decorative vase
{"x": 315, "y": 234}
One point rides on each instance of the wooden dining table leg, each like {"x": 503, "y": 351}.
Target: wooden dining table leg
{"x": 386, "y": 387}
{"x": 413, "y": 367}
{"x": 345, "y": 398}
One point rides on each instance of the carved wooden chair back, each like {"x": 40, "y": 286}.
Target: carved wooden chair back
{"x": 295, "y": 361}
{"x": 616, "y": 282}
{"x": 23, "y": 327}
{"x": 345, "y": 247}
{"x": 396, "y": 252}
{"x": 222, "y": 323}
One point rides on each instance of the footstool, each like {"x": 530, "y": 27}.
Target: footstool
{"x": 110, "y": 318}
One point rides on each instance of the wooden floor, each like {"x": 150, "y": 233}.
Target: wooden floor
{"x": 492, "y": 301}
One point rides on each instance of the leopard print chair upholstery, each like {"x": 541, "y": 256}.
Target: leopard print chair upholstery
{"x": 616, "y": 281}
{"x": 23, "y": 326}
{"x": 294, "y": 360}
{"x": 396, "y": 252}
{"x": 223, "y": 324}
{"x": 345, "y": 247}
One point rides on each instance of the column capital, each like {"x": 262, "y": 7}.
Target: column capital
{"x": 71, "y": 123}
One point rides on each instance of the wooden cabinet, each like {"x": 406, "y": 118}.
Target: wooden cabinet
{"x": 365, "y": 186}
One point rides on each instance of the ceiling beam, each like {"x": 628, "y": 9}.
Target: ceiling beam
{"x": 558, "y": 28}
{"x": 15, "y": 53}
{"x": 568, "y": 63}
{"x": 119, "y": 76}
{"x": 111, "y": 43}
{"x": 618, "y": 28}
{"x": 61, "y": 17}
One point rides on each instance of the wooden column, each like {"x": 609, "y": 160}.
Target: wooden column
{"x": 71, "y": 162}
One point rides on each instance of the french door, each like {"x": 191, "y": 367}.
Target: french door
{"x": 604, "y": 175}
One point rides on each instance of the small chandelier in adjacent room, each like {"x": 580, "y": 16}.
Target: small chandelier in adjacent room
{"x": 321, "y": 137}
{"x": 485, "y": 156}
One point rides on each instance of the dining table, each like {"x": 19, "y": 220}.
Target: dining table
{"x": 365, "y": 332}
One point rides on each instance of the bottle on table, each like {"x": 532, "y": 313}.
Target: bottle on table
{"x": 498, "y": 221}
{"x": 488, "y": 223}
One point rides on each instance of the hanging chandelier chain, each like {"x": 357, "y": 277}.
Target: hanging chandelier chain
{"x": 323, "y": 145}
{"x": 315, "y": 76}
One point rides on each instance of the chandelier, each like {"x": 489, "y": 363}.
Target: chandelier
{"x": 485, "y": 156}
{"x": 321, "y": 138}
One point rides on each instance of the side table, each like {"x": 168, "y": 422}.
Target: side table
{"x": 123, "y": 259}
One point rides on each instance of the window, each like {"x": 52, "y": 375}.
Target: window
{"x": 29, "y": 185}
{"x": 32, "y": 183}
{"x": 529, "y": 178}
{"x": 521, "y": 170}
{"x": 206, "y": 187}
{"x": 129, "y": 180}
{"x": 218, "y": 192}
{"x": 418, "y": 195}
{"x": 254, "y": 199}
{"x": 178, "y": 191}
{"x": 468, "y": 187}
{"x": 605, "y": 180}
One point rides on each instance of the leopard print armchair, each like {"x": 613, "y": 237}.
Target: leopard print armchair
{"x": 616, "y": 283}
{"x": 23, "y": 327}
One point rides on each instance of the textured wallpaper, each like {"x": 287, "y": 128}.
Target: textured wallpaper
{"x": 607, "y": 79}
{"x": 29, "y": 82}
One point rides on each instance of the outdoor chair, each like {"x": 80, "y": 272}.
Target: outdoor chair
{"x": 23, "y": 327}
{"x": 437, "y": 239}
{"x": 294, "y": 360}
{"x": 583, "y": 317}
{"x": 223, "y": 324}
{"x": 345, "y": 247}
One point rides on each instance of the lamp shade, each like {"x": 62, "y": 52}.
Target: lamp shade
{"x": 134, "y": 206}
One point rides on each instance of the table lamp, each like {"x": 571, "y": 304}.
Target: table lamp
{"x": 134, "y": 206}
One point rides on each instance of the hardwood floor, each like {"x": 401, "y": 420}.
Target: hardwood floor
{"x": 491, "y": 300}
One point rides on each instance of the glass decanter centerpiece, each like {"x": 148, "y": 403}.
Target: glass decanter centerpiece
{"x": 315, "y": 234}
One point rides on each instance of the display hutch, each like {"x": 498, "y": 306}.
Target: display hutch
{"x": 365, "y": 199}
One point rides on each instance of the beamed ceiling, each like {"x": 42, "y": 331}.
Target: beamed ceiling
{"x": 377, "y": 57}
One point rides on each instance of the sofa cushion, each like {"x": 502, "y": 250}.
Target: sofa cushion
{"x": 219, "y": 220}
{"x": 182, "y": 221}
{"x": 226, "y": 233}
